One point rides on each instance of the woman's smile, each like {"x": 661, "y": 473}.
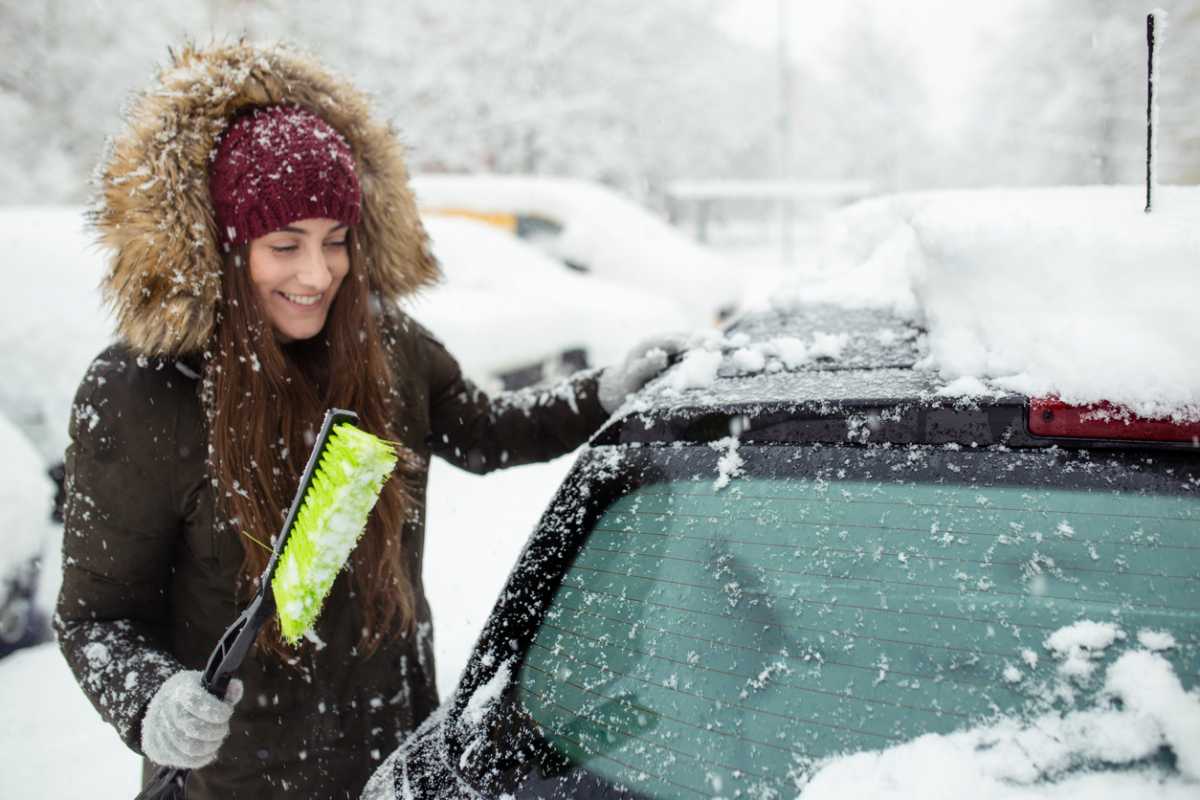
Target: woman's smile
{"x": 304, "y": 302}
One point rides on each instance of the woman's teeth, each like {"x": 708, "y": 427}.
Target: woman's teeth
{"x": 303, "y": 299}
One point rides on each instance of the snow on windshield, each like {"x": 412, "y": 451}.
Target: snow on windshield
{"x": 1069, "y": 291}
{"x": 1102, "y": 752}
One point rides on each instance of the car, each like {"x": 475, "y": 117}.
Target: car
{"x": 27, "y": 503}
{"x": 807, "y": 559}
{"x": 594, "y": 230}
{"x": 735, "y": 584}
{"x": 513, "y": 317}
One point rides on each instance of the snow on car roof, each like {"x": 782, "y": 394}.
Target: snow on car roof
{"x": 613, "y": 236}
{"x": 504, "y": 302}
{"x": 1067, "y": 291}
{"x": 817, "y": 353}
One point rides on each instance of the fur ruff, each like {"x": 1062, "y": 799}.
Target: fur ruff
{"x": 154, "y": 215}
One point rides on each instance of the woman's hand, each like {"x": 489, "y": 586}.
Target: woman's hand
{"x": 184, "y": 724}
{"x": 644, "y": 361}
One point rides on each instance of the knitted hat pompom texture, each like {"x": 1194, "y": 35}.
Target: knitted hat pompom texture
{"x": 276, "y": 165}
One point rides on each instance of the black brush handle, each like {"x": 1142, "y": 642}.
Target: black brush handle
{"x": 169, "y": 783}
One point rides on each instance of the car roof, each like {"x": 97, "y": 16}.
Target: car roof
{"x": 874, "y": 358}
{"x": 868, "y": 386}
{"x": 872, "y": 366}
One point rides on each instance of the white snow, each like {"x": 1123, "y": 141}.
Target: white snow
{"x": 488, "y": 693}
{"x": 52, "y": 325}
{"x": 1078, "y": 646}
{"x": 1155, "y": 640}
{"x": 729, "y": 465}
{"x": 1044, "y": 758}
{"x": 1068, "y": 291}
{"x": 26, "y": 498}
{"x": 966, "y": 386}
{"x": 53, "y": 742}
{"x": 615, "y": 238}
{"x": 828, "y": 345}
{"x": 697, "y": 370}
{"x": 503, "y": 303}
{"x": 792, "y": 352}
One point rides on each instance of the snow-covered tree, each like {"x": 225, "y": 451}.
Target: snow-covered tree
{"x": 623, "y": 91}
{"x": 1178, "y": 99}
{"x": 1065, "y": 100}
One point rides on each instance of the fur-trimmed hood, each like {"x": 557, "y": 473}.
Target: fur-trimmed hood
{"x": 154, "y": 215}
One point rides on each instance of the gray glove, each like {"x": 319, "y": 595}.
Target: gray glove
{"x": 644, "y": 361}
{"x": 184, "y": 724}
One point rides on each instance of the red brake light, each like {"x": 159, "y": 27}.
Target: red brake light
{"x": 1050, "y": 416}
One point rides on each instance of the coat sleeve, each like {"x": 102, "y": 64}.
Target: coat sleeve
{"x": 481, "y": 433}
{"x": 119, "y": 535}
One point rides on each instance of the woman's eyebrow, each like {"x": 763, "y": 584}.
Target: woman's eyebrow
{"x": 292, "y": 229}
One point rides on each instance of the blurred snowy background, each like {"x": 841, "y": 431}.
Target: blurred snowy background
{"x": 928, "y": 93}
{"x": 722, "y": 131}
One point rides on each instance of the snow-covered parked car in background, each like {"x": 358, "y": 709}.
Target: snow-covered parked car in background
{"x": 596, "y": 231}
{"x": 866, "y": 546}
{"x": 26, "y": 500}
{"x": 505, "y": 309}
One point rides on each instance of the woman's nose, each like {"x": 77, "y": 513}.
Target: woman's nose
{"x": 314, "y": 271}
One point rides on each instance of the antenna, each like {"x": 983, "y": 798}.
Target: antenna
{"x": 1152, "y": 42}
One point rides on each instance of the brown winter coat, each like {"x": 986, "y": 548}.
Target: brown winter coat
{"x": 149, "y": 579}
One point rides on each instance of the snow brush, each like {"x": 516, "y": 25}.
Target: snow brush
{"x": 340, "y": 485}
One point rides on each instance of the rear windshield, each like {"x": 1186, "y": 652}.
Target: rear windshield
{"x": 736, "y": 615}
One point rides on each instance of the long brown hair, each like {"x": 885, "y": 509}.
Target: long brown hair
{"x": 265, "y": 402}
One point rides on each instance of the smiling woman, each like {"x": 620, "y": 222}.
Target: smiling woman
{"x": 296, "y": 272}
{"x": 261, "y": 232}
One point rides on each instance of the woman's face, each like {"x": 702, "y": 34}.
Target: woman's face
{"x": 296, "y": 272}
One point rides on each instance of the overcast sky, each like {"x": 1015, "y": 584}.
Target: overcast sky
{"x": 944, "y": 34}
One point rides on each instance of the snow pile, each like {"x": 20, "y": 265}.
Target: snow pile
{"x": 504, "y": 304}
{"x": 711, "y": 354}
{"x": 614, "y": 238}
{"x": 54, "y": 743}
{"x": 1069, "y": 291}
{"x": 1098, "y": 753}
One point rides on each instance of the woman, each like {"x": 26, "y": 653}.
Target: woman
{"x": 261, "y": 230}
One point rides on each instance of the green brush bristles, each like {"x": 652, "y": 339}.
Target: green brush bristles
{"x": 345, "y": 485}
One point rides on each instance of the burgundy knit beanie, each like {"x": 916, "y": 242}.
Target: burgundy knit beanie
{"x": 276, "y": 165}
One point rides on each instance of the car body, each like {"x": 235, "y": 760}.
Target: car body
{"x": 512, "y": 316}
{"x": 594, "y": 230}
{"x": 753, "y": 572}
{"x": 26, "y": 504}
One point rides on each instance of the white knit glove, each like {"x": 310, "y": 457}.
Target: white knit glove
{"x": 184, "y": 724}
{"x": 643, "y": 362}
